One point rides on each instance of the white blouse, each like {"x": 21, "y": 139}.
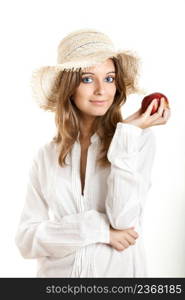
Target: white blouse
{"x": 68, "y": 232}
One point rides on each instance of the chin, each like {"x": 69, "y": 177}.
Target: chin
{"x": 99, "y": 114}
{"x": 95, "y": 113}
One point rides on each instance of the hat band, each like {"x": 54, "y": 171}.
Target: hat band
{"x": 95, "y": 45}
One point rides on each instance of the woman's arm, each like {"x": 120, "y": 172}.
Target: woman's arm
{"x": 131, "y": 154}
{"x": 38, "y": 236}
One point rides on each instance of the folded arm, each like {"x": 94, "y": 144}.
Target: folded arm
{"x": 38, "y": 236}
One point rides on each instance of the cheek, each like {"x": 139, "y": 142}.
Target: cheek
{"x": 83, "y": 91}
{"x": 81, "y": 96}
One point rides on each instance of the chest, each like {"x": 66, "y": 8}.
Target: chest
{"x": 83, "y": 164}
{"x": 81, "y": 176}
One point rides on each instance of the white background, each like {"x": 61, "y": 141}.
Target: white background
{"x": 30, "y": 33}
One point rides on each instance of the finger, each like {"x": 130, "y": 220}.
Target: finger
{"x": 125, "y": 243}
{"x": 138, "y": 112}
{"x": 150, "y": 107}
{"x": 161, "y": 107}
{"x": 167, "y": 114}
{"x": 163, "y": 120}
{"x": 131, "y": 240}
{"x": 119, "y": 246}
{"x": 158, "y": 114}
{"x": 133, "y": 233}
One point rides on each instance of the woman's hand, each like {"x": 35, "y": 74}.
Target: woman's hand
{"x": 122, "y": 239}
{"x": 144, "y": 120}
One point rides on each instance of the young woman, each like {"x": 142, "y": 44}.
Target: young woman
{"x": 88, "y": 186}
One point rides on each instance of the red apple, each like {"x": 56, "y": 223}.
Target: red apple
{"x": 148, "y": 99}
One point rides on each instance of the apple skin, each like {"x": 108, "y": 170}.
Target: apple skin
{"x": 149, "y": 98}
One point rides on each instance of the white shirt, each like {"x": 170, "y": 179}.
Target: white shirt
{"x": 68, "y": 232}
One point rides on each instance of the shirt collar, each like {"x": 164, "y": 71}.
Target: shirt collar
{"x": 94, "y": 138}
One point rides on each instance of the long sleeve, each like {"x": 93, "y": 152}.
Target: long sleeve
{"x": 37, "y": 235}
{"x": 131, "y": 153}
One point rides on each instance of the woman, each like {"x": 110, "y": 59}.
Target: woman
{"x": 87, "y": 187}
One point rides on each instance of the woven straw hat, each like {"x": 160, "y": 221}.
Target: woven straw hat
{"x": 79, "y": 50}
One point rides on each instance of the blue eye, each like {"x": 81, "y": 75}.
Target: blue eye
{"x": 112, "y": 78}
{"x": 84, "y": 79}
{"x": 89, "y": 79}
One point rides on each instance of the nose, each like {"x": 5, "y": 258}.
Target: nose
{"x": 99, "y": 88}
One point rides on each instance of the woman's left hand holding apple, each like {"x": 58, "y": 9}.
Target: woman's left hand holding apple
{"x": 145, "y": 120}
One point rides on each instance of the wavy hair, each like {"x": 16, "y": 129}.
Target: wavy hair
{"x": 67, "y": 114}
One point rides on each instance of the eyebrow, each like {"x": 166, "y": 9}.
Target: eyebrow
{"x": 94, "y": 74}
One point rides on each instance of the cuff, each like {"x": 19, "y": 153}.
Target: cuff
{"x": 104, "y": 234}
{"x": 135, "y": 129}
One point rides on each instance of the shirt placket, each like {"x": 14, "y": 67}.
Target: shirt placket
{"x": 83, "y": 256}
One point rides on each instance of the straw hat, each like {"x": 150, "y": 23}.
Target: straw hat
{"x": 78, "y": 50}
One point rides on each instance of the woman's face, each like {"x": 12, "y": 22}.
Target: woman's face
{"x": 97, "y": 89}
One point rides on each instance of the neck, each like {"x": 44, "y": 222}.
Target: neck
{"x": 85, "y": 134}
{"x": 86, "y": 128}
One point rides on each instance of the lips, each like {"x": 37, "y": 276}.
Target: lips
{"x": 98, "y": 102}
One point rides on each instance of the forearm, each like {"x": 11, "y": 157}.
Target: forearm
{"x": 58, "y": 239}
{"x": 131, "y": 155}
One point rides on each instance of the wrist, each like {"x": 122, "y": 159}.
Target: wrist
{"x": 133, "y": 122}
